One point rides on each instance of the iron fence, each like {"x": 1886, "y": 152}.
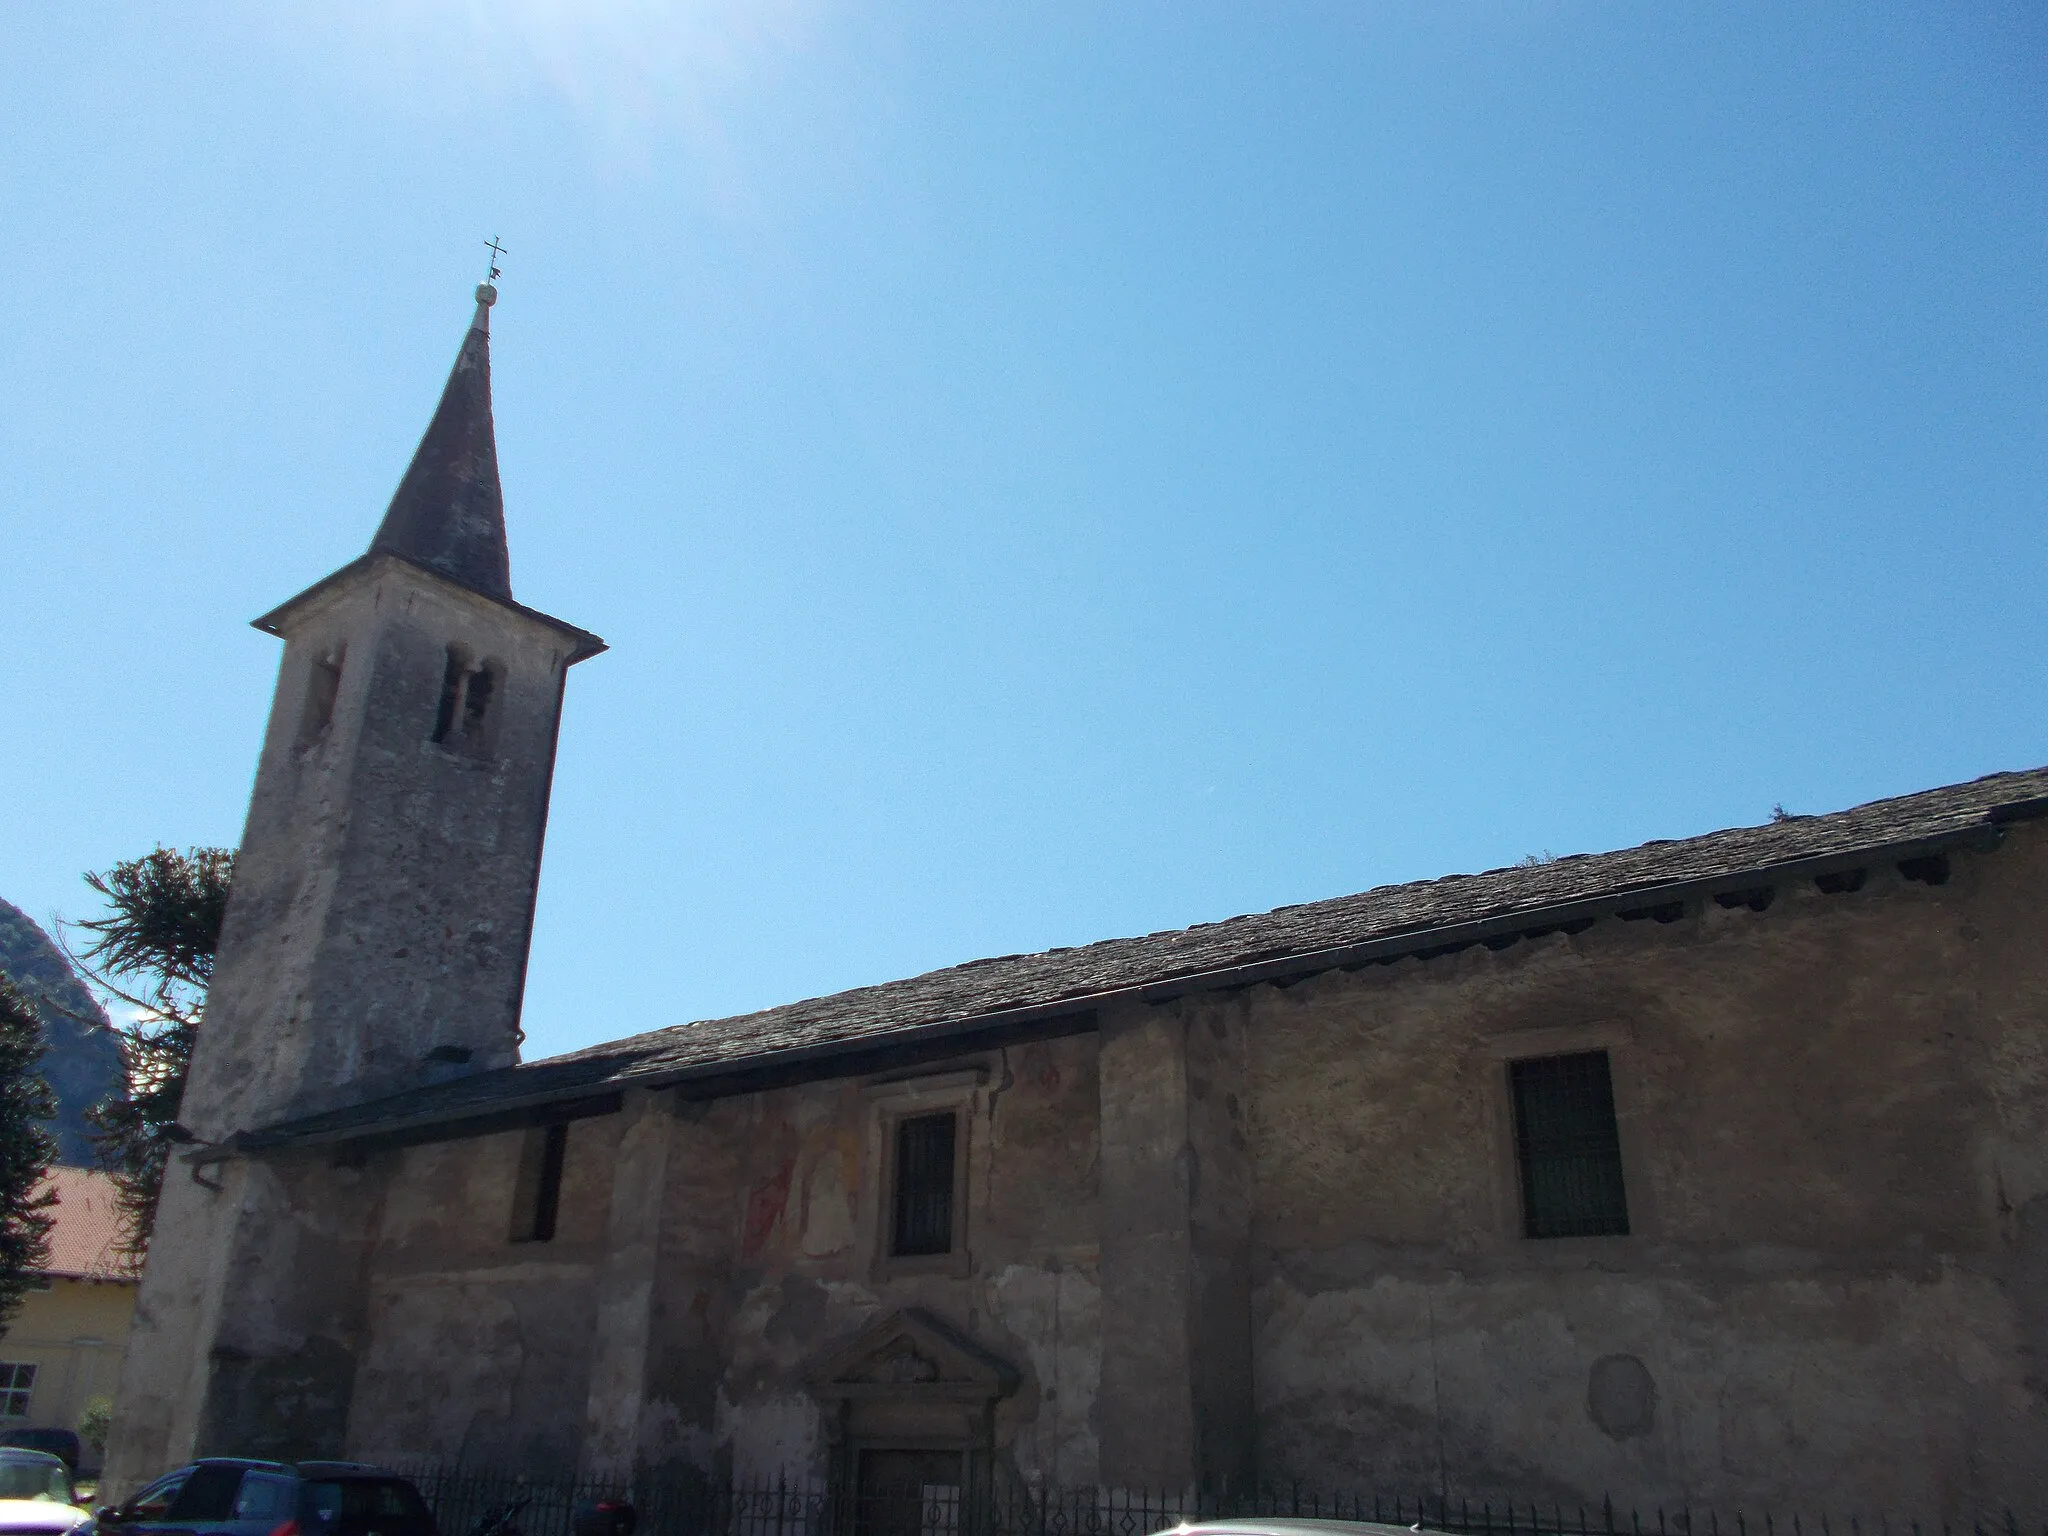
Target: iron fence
{"x": 466, "y": 1498}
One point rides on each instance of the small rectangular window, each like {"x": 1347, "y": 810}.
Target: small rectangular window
{"x": 464, "y": 719}
{"x": 323, "y": 687}
{"x": 1568, "y": 1147}
{"x": 17, "y": 1385}
{"x": 923, "y": 1204}
{"x": 452, "y": 675}
{"x": 538, "y": 1197}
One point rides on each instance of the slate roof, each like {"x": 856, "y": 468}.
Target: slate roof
{"x": 447, "y": 516}
{"x": 448, "y": 513}
{"x": 85, "y": 1243}
{"x": 1377, "y": 924}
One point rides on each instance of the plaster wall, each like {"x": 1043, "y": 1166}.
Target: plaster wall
{"x": 771, "y": 1238}
{"x": 476, "y": 1347}
{"x": 1832, "y": 1117}
{"x": 73, "y": 1334}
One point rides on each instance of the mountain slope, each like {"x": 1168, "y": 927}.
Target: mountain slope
{"x": 83, "y": 1059}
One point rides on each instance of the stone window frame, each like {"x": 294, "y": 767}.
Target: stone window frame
{"x": 889, "y": 1103}
{"x": 1618, "y": 1041}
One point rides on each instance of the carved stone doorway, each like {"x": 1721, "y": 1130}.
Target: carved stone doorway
{"x": 910, "y": 1412}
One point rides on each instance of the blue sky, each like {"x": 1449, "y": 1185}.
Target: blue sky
{"x": 1046, "y": 472}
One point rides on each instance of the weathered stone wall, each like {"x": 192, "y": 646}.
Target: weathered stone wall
{"x": 1176, "y": 1256}
{"x": 1832, "y": 1117}
{"x": 1269, "y": 1233}
{"x": 384, "y": 889}
{"x": 770, "y": 1259}
{"x": 382, "y": 903}
{"x": 707, "y": 1255}
{"x": 479, "y": 1348}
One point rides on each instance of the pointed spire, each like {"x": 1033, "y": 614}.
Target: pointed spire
{"x": 449, "y": 513}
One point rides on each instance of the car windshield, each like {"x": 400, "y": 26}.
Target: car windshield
{"x": 35, "y": 1480}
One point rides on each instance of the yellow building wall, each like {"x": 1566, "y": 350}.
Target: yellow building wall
{"x": 74, "y": 1334}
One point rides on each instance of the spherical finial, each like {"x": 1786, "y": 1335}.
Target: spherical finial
{"x": 486, "y": 295}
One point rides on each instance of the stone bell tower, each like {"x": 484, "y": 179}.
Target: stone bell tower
{"x": 375, "y": 941}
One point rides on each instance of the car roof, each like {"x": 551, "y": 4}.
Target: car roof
{"x": 343, "y": 1469}
{"x": 246, "y": 1463}
{"x": 29, "y": 1453}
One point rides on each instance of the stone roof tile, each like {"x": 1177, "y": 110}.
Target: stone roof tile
{"x": 1301, "y": 937}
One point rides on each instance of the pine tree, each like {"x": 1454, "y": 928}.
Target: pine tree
{"x": 154, "y": 951}
{"x": 26, "y": 1150}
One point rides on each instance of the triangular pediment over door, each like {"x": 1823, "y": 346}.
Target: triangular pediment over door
{"x": 910, "y": 1379}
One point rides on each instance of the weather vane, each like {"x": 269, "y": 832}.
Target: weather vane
{"x": 496, "y": 251}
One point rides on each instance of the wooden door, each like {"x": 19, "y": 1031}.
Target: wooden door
{"x": 908, "y": 1493}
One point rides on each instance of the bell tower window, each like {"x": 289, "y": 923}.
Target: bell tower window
{"x": 323, "y": 687}
{"x": 464, "y": 720}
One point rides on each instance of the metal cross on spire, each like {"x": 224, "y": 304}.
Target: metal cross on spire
{"x": 496, "y": 251}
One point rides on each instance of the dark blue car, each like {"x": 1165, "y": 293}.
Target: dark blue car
{"x": 234, "y": 1497}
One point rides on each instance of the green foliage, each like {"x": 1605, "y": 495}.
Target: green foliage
{"x": 154, "y": 950}
{"x": 26, "y": 1150}
{"x": 162, "y": 928}
{"x": 94, "y": 1420}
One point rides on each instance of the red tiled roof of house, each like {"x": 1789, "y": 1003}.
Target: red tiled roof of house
{"x": 85, "y": 1244}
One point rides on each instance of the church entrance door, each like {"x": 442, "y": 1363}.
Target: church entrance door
{"x": 908, "y": 1493}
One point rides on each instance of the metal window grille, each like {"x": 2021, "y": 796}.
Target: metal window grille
{"x": 17, "y": 1384}
{"x": 1568, "y": 1146}
{"x": 924, "y": 1186}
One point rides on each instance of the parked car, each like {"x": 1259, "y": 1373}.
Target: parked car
{"x": 37, "y": 1496}
{"x": 225, "y": 1496}
{"x": 1260, "y": 1525}
{"x": 58, "y": 1442}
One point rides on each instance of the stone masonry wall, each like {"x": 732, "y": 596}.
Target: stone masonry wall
{"x": 771, "y": 1259}
{"x": 1832, "y": 1116}
{"x": 479, "y": 1348}
{"x": 1297, "y": 1255}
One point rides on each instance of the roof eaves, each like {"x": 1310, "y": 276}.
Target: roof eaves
{"x": 584, "y": 644}
{"x": 1080, "y": 1011}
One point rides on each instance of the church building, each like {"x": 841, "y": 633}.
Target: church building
{"x": 1712, "y": 1171}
